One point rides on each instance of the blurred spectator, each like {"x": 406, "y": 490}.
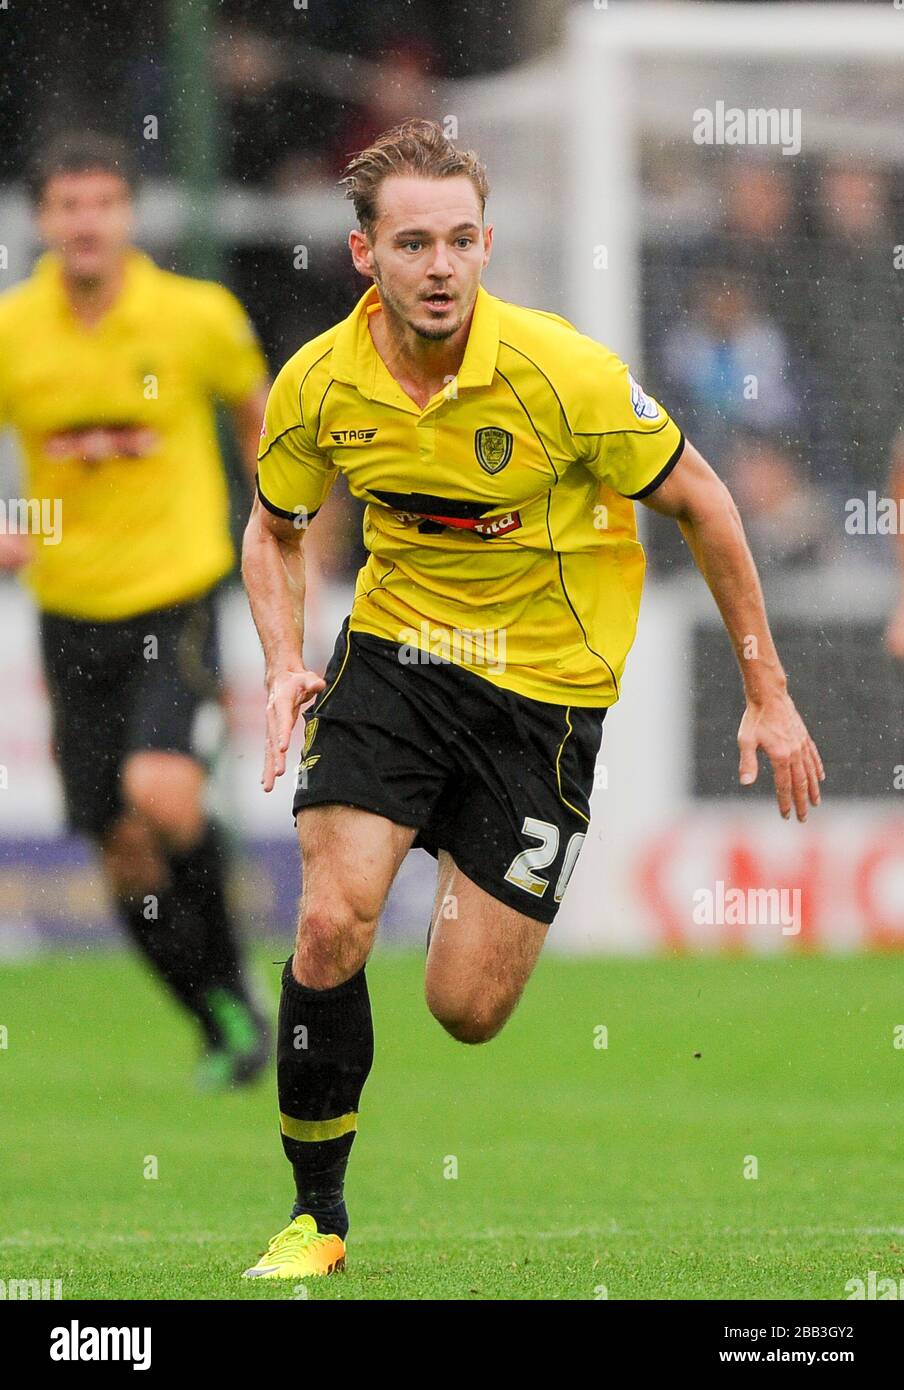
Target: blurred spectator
{"x": 728, "y": 366}
{"x": 762, "y": 239}
{"x": 854, "y": 202}
{"x": 854, "y": 308}
{"x": 758, "y": 202}
{"x": 818, "y": 264}
{"x": 402, "y": 86}
{"x": 271, "y": 119}
{"x": 788, "y": 521}
{"x": 740, "y": 215}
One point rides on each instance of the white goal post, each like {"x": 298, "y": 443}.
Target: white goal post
{"x": 607, "y": 47}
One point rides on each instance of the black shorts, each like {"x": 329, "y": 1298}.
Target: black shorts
{"x": 122, "y": 687}
{"x": 500, "y": 781}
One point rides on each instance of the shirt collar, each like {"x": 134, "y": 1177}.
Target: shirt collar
{"x": 355, "y": 360}
{"x": 48, "y": 271}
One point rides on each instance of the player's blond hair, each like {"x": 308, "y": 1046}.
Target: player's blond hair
{"x": 417, "y": 147}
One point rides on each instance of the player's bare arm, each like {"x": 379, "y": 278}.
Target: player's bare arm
{"x": 709, "y": 520}
{"x": 273, "y": 571}
{"x": 246, "y": 423}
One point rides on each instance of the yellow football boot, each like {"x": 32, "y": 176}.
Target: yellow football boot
{"x": 299, "y": 1252}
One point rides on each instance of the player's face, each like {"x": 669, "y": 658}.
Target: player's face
{"x": 87, "y": 218}
{"x": 428, "y": 250}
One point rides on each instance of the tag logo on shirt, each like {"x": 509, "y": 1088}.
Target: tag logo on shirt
{"x": 493, "y": 448}
{"x": 352, "y": 436}
{"x": 645, "y": 408}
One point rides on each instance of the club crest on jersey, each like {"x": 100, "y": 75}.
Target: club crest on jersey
{"x": 645, "y": 408}
{"x": 310, "y": 729}
{"x": 493, "y": 448}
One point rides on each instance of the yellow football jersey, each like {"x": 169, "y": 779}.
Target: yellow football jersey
{"x": 499, "y": 520}
{"x": 117, "y": 427}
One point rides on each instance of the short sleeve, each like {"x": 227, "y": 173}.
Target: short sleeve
{"x": 294, "y": 476}
{"x": 235, "y": 364}
{"x": 638, "y": 444}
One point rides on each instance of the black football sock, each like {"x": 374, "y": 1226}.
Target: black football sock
{"x": 174, "y": 945}
{"x": 325, "y": 1050}
{"x": 198, "y": 884}
{"x": 187, "y": 934}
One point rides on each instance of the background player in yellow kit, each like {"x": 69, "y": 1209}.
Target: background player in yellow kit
{"x": 499, "y": 452}
{"x": 109, "y": 370}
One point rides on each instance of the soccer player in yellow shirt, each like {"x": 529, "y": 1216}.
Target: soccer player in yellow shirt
{"x": 109, "y": 370}
{"x": 499, "y": 452}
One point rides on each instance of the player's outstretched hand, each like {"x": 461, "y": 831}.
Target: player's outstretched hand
{"x": 774, "y": 725}
{"x": 289, "y": 693}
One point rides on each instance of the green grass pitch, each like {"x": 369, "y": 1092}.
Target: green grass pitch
{"x": 579, "y": 1168}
